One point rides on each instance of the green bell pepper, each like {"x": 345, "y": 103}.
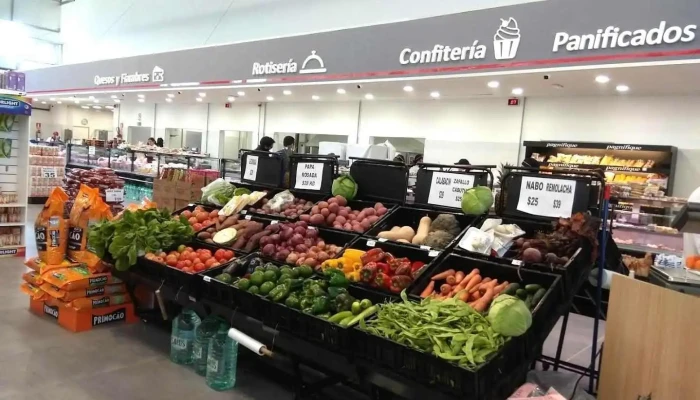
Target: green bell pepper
{"x": 321, "y": 305}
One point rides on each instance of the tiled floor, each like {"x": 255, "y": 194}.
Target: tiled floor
{"x": 41, "y": 361}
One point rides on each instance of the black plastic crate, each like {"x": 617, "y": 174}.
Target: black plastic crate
{"x": 254, "y": 209}
{"x": 358, "y": 205}
{"x": 546, "y": 312}
{"x": 330, "y": 236}
{"x": 398, "y": 250}
{"x": 411, "y": 216}
{"x": 191, "y": 207}
{"x": 515, "y": 356}
{"x": 574, "y": 273}
{"x": 173, "y": 277}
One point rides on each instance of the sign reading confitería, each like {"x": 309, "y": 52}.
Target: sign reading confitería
{"x": 157, "y": 75}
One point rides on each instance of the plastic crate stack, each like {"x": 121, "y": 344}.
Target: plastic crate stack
{"x": 46, "y": 169}
{"x": 102, "y": 178}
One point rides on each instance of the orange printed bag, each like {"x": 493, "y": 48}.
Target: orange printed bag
{"x": 88, "y": 209}
{"x": 51, "y": 230}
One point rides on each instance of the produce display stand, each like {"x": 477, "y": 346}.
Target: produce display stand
{"x": 262, "y": 168}
{"x": 380, "y": 180}
{"x": 441, "y": 186}
{"x": 590, "y": 194}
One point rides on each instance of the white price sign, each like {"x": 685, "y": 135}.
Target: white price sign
{"x": 91, "y": 150}
{"x": 114, "y": 195}
{"x": 48, "y": 172}
{"x": 309, "y": 176}
{"x": 447, "y": 189}
{"x": 547, "y": 197}
{"x": 251, "y": 168}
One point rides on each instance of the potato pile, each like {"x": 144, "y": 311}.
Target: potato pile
{"x": 297, "y": 244}
{"x": 335, "y": 213}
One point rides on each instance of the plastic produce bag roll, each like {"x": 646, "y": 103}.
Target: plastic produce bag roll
{"x": 247, "y": 341}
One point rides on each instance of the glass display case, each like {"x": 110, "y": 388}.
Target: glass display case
{"x": 98, "y": 156}
{"x": 145, "y": 163}
{"x": 646, "y": 224}
{"x": 77, "y": 155}
{"x": 120, "y": 160}
{"x": 231, "y": 169}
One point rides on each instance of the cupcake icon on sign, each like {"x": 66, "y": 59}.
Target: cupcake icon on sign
{"x": 506, "y": 40}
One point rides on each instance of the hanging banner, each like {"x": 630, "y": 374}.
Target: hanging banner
{"x": 14, "y": 105}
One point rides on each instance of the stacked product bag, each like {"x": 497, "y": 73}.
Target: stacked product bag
{"x": 68, "y": 281}
{"x": 104, "y": 180}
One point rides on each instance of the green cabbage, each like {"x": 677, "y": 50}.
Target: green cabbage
{"x": 477, "y": 200}
{"x": 509, "y": 316}
{"x": 344, "y": 186}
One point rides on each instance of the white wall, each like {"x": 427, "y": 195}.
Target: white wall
{"x": 62, "y": 117}
{"x": 312, "y": 118}
{"x": 661, "y": 120}
{"x": 100, "y": 29}
{"x": 140, "y": 114}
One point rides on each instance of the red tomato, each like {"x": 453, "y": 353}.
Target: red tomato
{"x": 229, "y": 254}
{"x": 209, "y": 262}
{"x": 184, "y": 256}
{"x": 192, "y": 220}
{"x": 204, "y": 257}
{"x": 193, "y": 257}
{"x": 171, "y": 262}
{"x": 189, "y": 270}
{"x": 220, "y": 254}
{"x": 216, "y": 264}
{"x": 197, "y": 226}
{"x": 187, "y": 214}
{"x": 187, "y": 263}
{"x": 189, "y": 249}
{"x": 159, "y": 260}
{"x": 199, "y": 267}
{"x": 180, "y": 265}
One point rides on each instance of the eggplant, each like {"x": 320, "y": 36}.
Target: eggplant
{"x": 237, "y": 268}
{"x": 253, "y": 263}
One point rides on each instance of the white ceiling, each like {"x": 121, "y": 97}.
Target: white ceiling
{"x": 681, "y": 79}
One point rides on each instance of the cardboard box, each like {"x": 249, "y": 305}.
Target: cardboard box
{"x": 82, "y": 320}
{"x": 168, "y": 203}
{"x": 183, "y": 191}
{"x": 180, "y": 204}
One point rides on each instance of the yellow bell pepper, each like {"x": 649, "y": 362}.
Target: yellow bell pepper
{"x": 353, "y": 276}
{"x": 353, "y": 255}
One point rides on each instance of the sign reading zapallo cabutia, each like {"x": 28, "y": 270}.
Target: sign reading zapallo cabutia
{"x": 505, "y": 47}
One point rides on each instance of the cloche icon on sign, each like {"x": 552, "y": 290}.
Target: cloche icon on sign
{"x": 158, "y": 74}
{"x": 313, "y": 57}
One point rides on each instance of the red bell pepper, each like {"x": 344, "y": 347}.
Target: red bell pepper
{"x": 372, "y": 255}
{"x": 416, "y": 266}
{"x": 404, "y": 267}
{"x": 399, "y": 283}
{"x": 368, "y": 271}
{"x": 384, "y": 267}
{"x": 382, "y": 280}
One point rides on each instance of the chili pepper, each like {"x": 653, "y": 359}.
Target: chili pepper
{"x": 373, "y": 255}
{"x": 384, "y": 267}
{"x": 400, "y": 282}
{"x": 404, "y": 268}
{"x": 368, "y": 272}
{"x": 382, "y": 280}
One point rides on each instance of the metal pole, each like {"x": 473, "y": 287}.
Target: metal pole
{"x": 599, "y": 287}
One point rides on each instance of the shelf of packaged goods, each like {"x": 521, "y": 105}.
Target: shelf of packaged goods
{"x": 609, "y": 168}
{"x": 647, "y": 249}
{"x": 14, "y": 246}
{"x": 629, "y": 212}
{"x": 37, "y": 199}
{"x": 653, "y": 202}
{"x": 135, "y": 176}
{"x": 5, "y": 224}
{"x": 75, "y": 165}
{"x": 3, "y": 205}
{"x": 644, "y": 229}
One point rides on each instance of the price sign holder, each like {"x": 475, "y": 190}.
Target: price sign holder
{"x": 380, "y": 180}
{"x": 588, "y": 190}
{"x": 269, "y": 168}
{"x": 438, "y": 186}
{"x": 315, "y": 171}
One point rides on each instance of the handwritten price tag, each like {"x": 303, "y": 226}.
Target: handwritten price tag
{"x": 251, "y": 168}
{"x": 48, "y": 172}
{"x": 447, "y": 189}
{"x": 91, "y": 150}
{"x": 114, "y": 195}
{"x": 309, "y": 176}
{"x": 547, "y": 197}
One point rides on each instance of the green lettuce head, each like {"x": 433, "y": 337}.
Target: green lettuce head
{"x": 344, "y": 186}
{"x": 509, "y": 316}
{"x": 477, "y": 200}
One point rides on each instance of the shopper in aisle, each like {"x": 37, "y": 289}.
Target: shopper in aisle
{"x": 266, "y": 144}
{"x": 286, "y": 151}
{"x": 463, "y": 161}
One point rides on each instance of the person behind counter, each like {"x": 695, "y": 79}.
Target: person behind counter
{"x": 151, "y": 141}
{"x": 266, "y": 144}
{"x": 463, "y": 161}
{"x": 288, "y": 150}
{"x": 159, "y": 142}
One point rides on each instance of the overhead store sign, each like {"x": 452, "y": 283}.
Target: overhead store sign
{"x": 524, "y": 36}
{"x": 157, "y": 75}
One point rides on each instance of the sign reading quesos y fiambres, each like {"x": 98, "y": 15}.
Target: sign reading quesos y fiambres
{"x": 157, "y": 75}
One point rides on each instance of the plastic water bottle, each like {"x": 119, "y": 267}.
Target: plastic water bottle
{"x": 182, "y": 337}
{"x": 222, "y": 360}
{"x": 202, "y": 336}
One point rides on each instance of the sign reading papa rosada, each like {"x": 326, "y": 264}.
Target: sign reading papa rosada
{"x": 157, "y": 75}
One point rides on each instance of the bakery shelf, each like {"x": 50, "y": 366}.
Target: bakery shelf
{"x": 647, "y": 249}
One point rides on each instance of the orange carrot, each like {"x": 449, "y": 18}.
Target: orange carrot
{"x": 476, "y": 279}
{"x": 428, "y": 290}
{"x": 489, "y": 285}
{"x": 445, "y": 289}
{"x": 469, "y": 276}
{"x": 463, "y": 295}
{"x": 477, "y": 287}
{"x": 475, "y": 296}
{"x": 459, "y": 275}
{"x": 443, "y": 275}
{"x": 481, "y": 304}
{"x": 498, "y": 289}
{"x": 451, "y": 280}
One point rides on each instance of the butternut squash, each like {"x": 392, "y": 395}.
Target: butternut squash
{"x": 405, "y": 232}
{"x": 422, "y": 232}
